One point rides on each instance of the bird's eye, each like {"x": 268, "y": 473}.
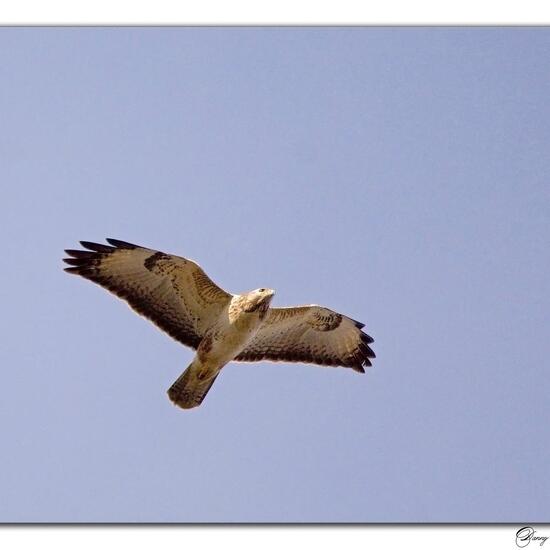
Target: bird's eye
{"x": 262, "y": 289}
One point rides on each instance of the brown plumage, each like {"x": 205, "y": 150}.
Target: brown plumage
{"x": 177, "y": 296}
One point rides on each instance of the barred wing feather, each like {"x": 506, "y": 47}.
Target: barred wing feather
{"x": 171, "y": 291}
{"x": 310, "y": 334}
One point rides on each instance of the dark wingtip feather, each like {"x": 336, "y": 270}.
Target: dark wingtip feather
{"x": 358, "y": 368}
{"x": 77, "y": 261}
{"x": 72, "y": 270}
{"x": 96, "y": 247}
{"x": 122, "y": 244}
{"x": 367, "y": 351}
{"x": 358, "y": 324}
{"x": 366, "y": 338}
{"x": 80, "y": 253}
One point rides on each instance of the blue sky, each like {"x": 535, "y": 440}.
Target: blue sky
{"x": 398, "y": 175}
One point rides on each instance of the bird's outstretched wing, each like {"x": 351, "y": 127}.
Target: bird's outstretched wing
{"x": 172, "y": 292}
{"x": 310, "y": 334}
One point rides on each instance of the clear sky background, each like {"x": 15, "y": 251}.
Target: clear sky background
{"x": 400, "y": 176}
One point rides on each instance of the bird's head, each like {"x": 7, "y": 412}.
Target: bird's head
{"x": 259, "y": 299}
{"x": 263, "y": 295}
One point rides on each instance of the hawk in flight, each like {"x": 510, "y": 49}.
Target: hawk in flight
{"x": 178, "y": 296}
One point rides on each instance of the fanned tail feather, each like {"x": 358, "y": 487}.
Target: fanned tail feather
{"x": 190, "y": 389}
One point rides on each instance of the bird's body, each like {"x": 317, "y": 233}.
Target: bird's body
{"x": 227, "y": 338}
{"x": 179, "y": 298}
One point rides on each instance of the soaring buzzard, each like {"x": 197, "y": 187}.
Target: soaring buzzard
{"x": 178, "y": 296}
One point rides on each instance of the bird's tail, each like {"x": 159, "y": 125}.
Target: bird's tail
{"x": 191, "y": 387}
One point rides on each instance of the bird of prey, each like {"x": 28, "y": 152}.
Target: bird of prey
{"x": 177, "y": 296}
